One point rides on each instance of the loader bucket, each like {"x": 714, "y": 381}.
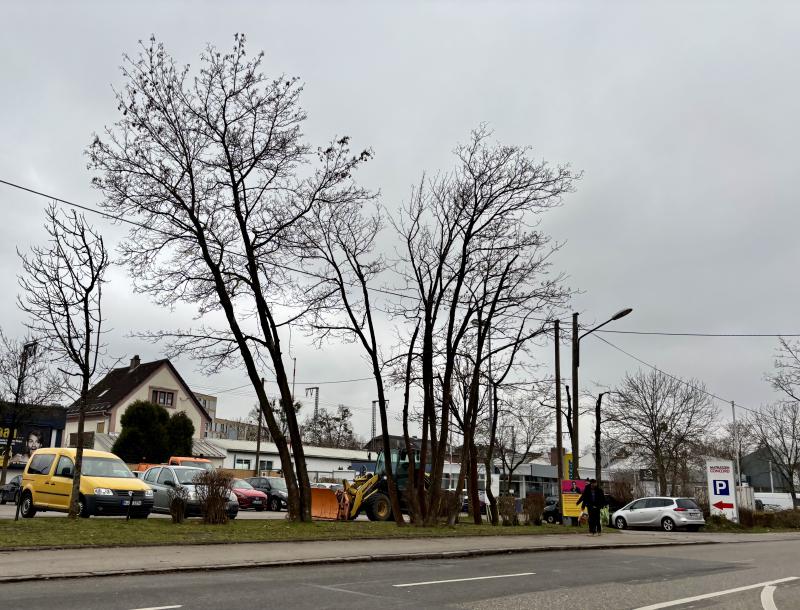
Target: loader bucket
{"x": 324, "y": 504}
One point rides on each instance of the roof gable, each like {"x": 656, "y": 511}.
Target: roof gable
{"x": 119, "y": 383}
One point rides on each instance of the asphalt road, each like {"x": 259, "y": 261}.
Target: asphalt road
{"x": 633, "y": 578}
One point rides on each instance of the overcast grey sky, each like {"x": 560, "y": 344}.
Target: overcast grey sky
{"x": 682, "y": 116}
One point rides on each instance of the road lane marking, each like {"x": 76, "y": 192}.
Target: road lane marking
{"x": 439, "y": 582}
{"x": 696, "y": 598}
{"x": 767, "y": 599}
{"x": 160, "y": 607}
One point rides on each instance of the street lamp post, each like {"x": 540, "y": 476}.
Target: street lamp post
{"x": 576, "y": 354}
{"x": 559, "y": 432}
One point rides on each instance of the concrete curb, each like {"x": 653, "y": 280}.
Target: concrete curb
{"x": 292, "y": 563}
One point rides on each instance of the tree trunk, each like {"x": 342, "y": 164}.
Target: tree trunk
{"x": 474, "y": 492}
{"x": 74, "y": 509}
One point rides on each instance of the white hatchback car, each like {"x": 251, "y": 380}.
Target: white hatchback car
{"x": 662, "y": 512}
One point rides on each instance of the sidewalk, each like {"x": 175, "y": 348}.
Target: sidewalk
{"x": 75, "y": 563}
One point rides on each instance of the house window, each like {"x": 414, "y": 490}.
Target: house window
{"x": 242, "y": 464}
{"x": 164, "y": 399}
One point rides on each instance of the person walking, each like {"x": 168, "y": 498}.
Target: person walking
{"x": 592, "y": 500}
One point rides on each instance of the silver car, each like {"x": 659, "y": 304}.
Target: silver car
{"x": 165, "y": 478}
{"x": 662, "y": 512}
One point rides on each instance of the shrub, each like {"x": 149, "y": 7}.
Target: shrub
{"x": 144, "y": 435}
{"x": 213, "y": 491}
{"x": 177, "y": 503}
{"x": 449, "y": 506}
{"x": 180, "y": 431}
{"x": 533, "y": 506}
{"x": 507, "y": 507}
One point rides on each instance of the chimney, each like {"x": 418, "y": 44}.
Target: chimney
{"x": 554, "y": 455}
{"x": 135, "y": 362}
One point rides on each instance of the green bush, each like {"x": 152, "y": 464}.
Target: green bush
{"x": 144, "y": 434}
{"x": 149, "y": 434}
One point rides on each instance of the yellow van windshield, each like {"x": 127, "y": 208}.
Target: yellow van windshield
{"x": 105, "y": 467}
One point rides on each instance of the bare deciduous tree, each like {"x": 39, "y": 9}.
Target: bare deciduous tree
{"x": 777, "y": 429}
{"x": 523, "y": 423}
{"x": 26, "y": 382}
{"x": 62, "y": 287}
{"x": 216, "y": 174}
{"x": 777, "y": 426}
{"x": 339, "y": 242}
{"x": 334, "y": 430}
{"x": 659, "y": 418}
{"x": 474, "y": 264}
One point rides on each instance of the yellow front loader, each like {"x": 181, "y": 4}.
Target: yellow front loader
{"x": 368, "y": 493}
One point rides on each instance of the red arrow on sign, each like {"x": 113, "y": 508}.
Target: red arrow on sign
{"x": 722, "y": 505}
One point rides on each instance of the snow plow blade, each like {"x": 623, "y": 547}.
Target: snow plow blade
{"x": 324, "y": 504}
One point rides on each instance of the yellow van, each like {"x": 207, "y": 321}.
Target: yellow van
{"x": 108, "y": 487}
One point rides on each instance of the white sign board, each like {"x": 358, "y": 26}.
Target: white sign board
{"x": 722, "y": 489}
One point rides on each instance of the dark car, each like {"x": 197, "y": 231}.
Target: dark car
{"x": 275, "y": 490}
{"x": 552, "y": 510}
{"x": 10, "y": 491}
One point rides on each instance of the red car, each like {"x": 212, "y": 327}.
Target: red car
{"x": 248, "y": 496}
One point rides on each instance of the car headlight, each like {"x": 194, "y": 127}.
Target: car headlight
{"x": 283, "y": 494}
{"x": 103, "y": 491}
{"x": 232, "y": 497}
{"x": 192, "y": 495}
{"x": 148, "y": 493}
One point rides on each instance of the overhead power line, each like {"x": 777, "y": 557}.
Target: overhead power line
{"x": 678, "y": 379}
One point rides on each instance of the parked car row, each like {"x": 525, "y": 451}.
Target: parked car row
{"x": 108, "y": 487}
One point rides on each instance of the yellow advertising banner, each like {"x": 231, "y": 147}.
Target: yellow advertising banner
{"x": 571, "y": 490}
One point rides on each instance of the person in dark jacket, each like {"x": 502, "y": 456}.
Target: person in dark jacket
{"x": 592, "y": 500}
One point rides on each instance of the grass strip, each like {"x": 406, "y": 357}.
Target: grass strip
{"x": 98, "y": 532}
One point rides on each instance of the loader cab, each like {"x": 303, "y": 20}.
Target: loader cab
{"x": 400, "y": 466}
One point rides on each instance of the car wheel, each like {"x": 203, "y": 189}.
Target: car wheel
{"x": 27, "y": 508}
{"x": 275, "y": 505}
{"x": 83, "y": 509}
{"x": 3, "y": 499}
{"x": 550, "y": 519}
{"x": 667, "y": 524}
{"x": 620, "y": 523}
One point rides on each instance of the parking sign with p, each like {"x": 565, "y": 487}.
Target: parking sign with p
{"x": 722, "y": 488}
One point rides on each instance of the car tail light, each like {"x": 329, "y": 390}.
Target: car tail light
{"x": 680, "y": 510}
